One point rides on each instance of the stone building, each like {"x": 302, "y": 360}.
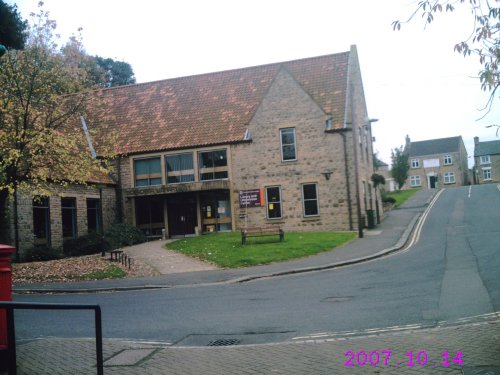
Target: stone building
{"x": 486, "y": 161}
{"x": 437, "y": 163}
{"x": 285, "y": 143}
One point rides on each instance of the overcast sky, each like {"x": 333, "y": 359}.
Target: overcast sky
{"x": 414, "y": 82}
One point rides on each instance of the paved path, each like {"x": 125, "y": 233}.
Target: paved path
{"x": 166, "y": 262}
{"x": 477, "y": 341}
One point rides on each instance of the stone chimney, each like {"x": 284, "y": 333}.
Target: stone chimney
{"x": 476, "y": 141}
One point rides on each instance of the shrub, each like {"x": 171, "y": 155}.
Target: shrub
{"x": 91, "y": 243}
{"x": 120, "y": 235}
{"x": 389, "y": 200}
{"x": 41, "y": 253}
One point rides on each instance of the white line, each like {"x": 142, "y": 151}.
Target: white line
{"x": 470, "y": 190}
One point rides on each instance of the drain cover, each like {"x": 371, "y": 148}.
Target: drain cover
{"x": 223, "y": 342}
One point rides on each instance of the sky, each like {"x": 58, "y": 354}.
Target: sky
{"x": 414, "y": 82}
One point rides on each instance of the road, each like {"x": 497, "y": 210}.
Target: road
{"x": 450, "y": 273}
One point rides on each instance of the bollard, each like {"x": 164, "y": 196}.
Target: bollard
{"x": 5, "y": 295}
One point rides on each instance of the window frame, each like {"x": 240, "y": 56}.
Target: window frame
{"x": 41, "y": 204}
{"x": 415, "y": 178}
{"x": 447, "y": 160}
{"x": 283, "y": 145}
{"x": 150, "y": 176}
{"x": 447, "y": 176}
{"x": 214, "y": 169}
{"x": 316, "y": 199}
{"x": 69, "y": 210}
{"x": 415, "y": 163}
{"x": 94, "y": 212}
{"x": 488, "y": 170}
{"x": 486, "y": 161}
{"x": 181, "y": 172}
{"x": 279, "y": 202}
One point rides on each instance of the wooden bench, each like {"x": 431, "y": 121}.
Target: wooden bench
{"x": 261, "y": 232}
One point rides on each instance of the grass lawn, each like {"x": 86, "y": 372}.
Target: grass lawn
{"x": 226, "y": 250}
{"x": 401, "y": 195}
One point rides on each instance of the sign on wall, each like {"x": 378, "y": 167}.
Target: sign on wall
{"x": 250, "y": 198}
{"x": 431, "y": 163}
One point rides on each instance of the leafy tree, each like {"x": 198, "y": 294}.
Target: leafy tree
{"x": 400, "y": 165}
{"x": 116, "y": 73}
{"x": 44, "y": 90}
{"x": 12, "y": 27}
{"x": 484, "y": 41}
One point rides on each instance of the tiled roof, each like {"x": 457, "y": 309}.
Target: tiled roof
{"x": 487, "y": 148}
{"x": 435, "y": 146}
{"x": 215, "y": 108}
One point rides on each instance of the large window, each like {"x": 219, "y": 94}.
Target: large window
{"x": 485, "y": 159}
{"x": 310, "y": 199}
{"x": 448, "y": 160}
{"x": 68, "y": 212}
{"x": 93, "y": 215}
{"x": 273, "y": 202}
{"x": 41, "y": 220}
{"x": 180, "y": 168}
{"x": 212, "y": 165}
{"x": 449, "y": 178}
{"x": 415, "y": 163}
{"x": 147, "y": 171}
{"x": 487, "y": 173}
{"x": 415, "y": 181}
{"x": 288, "y": 146}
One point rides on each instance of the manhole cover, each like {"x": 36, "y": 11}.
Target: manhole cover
{"x": 223, "y": 342}
{"x": 336, "y": 299}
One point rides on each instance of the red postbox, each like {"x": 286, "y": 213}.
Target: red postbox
{"x": 5, "y": 289}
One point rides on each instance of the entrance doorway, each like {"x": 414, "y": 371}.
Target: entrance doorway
{"x": 432, "y": 181}
{"x": 181, "y": 214}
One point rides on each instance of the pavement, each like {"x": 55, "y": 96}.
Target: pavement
{"x": 465, "y": 346}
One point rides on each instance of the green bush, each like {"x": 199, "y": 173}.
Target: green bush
{"x": 92, "y": 243}
{"x": 389, "y": 200}
{"x": 120, "y": 235}
{"x": 41, "y": 253}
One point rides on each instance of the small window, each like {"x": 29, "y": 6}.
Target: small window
{"x": 448, "y": 160}
{"x": 93, "y": 215}
{"x": 68, "y": 212}
{"x": 487, "y": 174}
{"x": 310, "y": 199}
{"x": 485, "y": 159}
{"x": 273, "y": 202}
{"x": 288, "y": 146}
{"x": 449, "y": 178}
{"x": 147, "y": 172}
{"x": 41, "y": 220}
{"x": 180, "y": 168}
{"x": 415, "y": 181}
{"x": 415, "y": 163}
{"x": 212, "y": 165}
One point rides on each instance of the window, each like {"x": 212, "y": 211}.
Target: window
{"x": 93, "y": 215}
{"x": 147, "y": 172}
{"x": 449, "y": 178}
{"x": 273, "y": 202}
{"x": 68, "y": 212}
{"x": 487, "y": 173}
{"x": 213, "y": 165}
{"x": 180, "y": 168}
{"x": 415, "y": 181}
{"x": 415, "y": 163}
{"x": 485, "y": 159}
{"x": 448, "y": 160}
{"x": 288, "y": 147}
{"x": 41, "y": 220}
{"x": 310, "y": 199}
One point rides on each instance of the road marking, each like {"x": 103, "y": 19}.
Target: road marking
{"x": 498, "y": 187}
{"x": 470, "y": 190}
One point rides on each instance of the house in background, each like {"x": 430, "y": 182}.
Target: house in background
{"x": 437, "y": 163}
{"x": 390, "y": 183}
{"x": 486, "y": 161}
